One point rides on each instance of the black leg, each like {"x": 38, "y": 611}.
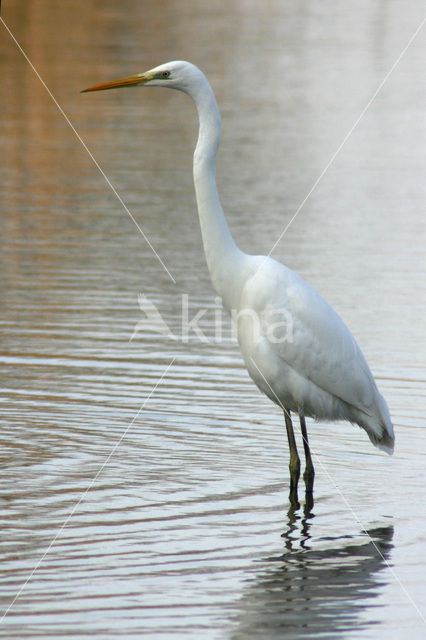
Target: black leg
{"x": 309, "y": 474}
{"x": 294, "y": 465}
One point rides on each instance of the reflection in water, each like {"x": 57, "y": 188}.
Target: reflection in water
{"x": 292, "y": 527}
{"x": 311, "y": 593}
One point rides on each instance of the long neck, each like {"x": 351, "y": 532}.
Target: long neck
{"x": 222, "y": 254}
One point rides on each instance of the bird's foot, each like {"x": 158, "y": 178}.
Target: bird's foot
{"x": 294, "y": 500}
{"x": 309, "y": 503}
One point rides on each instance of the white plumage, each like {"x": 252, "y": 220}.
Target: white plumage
{"x": 296, "y": 348}
{"x": 318, "y": 368}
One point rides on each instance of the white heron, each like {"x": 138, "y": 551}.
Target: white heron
{"x": 309, "y": 363}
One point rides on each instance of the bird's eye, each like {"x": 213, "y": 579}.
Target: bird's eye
{"x": 165, "y": 74}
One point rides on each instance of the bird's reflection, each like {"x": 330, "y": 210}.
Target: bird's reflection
{"x": 313, "y": 593}
{"x": 293, "y": 518}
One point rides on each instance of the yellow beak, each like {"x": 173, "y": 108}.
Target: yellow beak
{"x": 128, "y": 81}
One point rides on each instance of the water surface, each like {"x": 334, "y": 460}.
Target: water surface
{"x": 165, "y": 464}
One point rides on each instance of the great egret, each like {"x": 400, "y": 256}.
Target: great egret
{"x": 308, "y": 362}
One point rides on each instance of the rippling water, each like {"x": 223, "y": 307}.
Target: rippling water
{"x": 144, "y": 478}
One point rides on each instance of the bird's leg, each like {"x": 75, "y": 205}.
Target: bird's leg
{"x": 309, "y": 473}
{"x": 294, "y": 465}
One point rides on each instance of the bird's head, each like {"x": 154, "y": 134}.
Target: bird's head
{"x": 173, "y": 75}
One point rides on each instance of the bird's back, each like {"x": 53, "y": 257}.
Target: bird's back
{"x": 303, "y": 356}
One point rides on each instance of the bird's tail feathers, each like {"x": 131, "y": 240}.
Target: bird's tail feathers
{"x": 382, "y": 435}
{"x": 385, "y": 443}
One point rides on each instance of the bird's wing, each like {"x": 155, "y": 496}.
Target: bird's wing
{"x": 308, "y": 335}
